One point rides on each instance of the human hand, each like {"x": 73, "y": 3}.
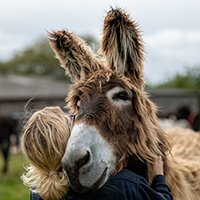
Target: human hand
{"x": 158, "y": 167}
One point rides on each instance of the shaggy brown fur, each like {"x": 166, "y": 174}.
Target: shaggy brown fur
{"x": 184, "y": 176}
{"x": 132, "y": 130}
{"x": 188, "y": 145}
{"x": 128, "y": 128}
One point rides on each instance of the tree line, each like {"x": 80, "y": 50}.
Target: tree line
{"x": 38, "y": 59}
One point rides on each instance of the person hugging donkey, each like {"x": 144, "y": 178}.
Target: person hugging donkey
{"x": 44, "y": 141}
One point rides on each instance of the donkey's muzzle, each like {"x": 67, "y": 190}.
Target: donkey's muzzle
{"x": 88, "y": 158}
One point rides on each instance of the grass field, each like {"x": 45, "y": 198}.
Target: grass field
{"x": 11, "y": 186}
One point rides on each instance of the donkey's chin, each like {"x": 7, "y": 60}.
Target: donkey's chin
{"x": 95, "y": 180}
{"x": 86, "y": 181}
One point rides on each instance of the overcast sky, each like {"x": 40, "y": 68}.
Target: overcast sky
{"x": 171, "y": 29}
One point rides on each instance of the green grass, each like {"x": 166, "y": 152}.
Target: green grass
{"x": 11, "y": 186}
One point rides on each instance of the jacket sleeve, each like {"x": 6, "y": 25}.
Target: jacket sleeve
{"x": 158, "y": 190}
{"x": 159, "y": 185}
{"x": 35, "y": 196}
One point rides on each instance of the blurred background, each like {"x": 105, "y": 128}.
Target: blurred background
{"x": 30, "y": 76}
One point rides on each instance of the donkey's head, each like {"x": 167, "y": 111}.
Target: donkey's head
{"x": 115, "y": 121}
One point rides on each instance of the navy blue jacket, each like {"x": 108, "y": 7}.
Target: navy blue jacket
{"x": 126, "y": 185}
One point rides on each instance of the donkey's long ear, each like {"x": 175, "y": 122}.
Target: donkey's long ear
{"x": 74, "y": 55}
{"x": 122, "y": 45}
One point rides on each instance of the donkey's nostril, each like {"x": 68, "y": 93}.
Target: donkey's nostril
{"x": 82, "y": 159}
{"x": 74, "y": 160}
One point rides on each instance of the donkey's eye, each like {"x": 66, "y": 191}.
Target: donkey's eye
{"x": 78, "y": 103}
{"x": 123, "y": 95}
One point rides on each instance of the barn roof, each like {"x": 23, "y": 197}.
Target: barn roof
{"x": 173, "y": 92}
{"x": 21, "y": 87}
{"x": 25, "y": 87}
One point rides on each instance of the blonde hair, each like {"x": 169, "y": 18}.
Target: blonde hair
{"x": 44, "y": 141}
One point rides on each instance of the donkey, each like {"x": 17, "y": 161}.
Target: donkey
{"x": 116, "y": 124}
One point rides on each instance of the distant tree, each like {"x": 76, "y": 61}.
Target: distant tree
{"x": 189, "y": 79}
{"x": 38, "y": 59}
{"x": 91, "y": 41}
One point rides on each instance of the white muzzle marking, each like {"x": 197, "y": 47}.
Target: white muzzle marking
{"x": 101, "y": 161}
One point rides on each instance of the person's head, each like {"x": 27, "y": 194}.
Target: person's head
{"x": 44, "y": 140}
